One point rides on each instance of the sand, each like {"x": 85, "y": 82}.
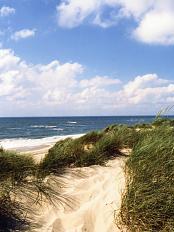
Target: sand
{"x": 35, "y": 147}
{"x": 93, "y": 198}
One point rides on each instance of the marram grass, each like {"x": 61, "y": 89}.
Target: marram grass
{"x": 90, "y": 149}
{"x": 148, "y": 202}
{"x": 20, "y": 179}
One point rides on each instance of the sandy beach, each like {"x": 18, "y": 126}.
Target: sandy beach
{"x": 93, "y": 199}
{"x": 36, "y": 147}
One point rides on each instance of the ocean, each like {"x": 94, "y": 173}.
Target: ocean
{"x": 36, "y": 131}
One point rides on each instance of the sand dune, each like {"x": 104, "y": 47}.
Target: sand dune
{"x": 94, "y": 195}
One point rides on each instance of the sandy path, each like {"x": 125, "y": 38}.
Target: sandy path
{"x": 95, "y": 194}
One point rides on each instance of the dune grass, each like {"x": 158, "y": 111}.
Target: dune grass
{"x": 19, "y": 182}
{"x": 15, "y": 167}
{"x": 159, "y": 121}
{"x": 91, "y": 137}
{"x": 93, "y": 148}
{"x": 12, "y": 216}
{"x": 148, "y": 202}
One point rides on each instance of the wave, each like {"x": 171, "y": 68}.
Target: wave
{"x": 70, "y": 122}
{"x": 42, "y": 126}
{"x": 58, "y": 129}
{"x": 14, "y": 128}
{"x": 19, "y": 143}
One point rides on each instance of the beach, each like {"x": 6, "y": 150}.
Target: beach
{"x": 92, "y": 200}
{"x": 92, "y": 195}
{"x": 35, "y": 147}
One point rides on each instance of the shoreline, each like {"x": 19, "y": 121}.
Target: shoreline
{"x": 35, "y": 147}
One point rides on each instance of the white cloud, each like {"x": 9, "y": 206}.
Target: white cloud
{"x": 8, "y": 60}
{"x": 147, "y": 90}
{"x": 59, "y": 89}
{"x": 143, "y": 82}
{"x": 99, "y": 81}
{"x": 73, "y": 13}
{"x": 154, "y": 18}
{"x": 23, "y": 34}
{"x": 157, "y": 27}
{"x": 6, "y": 10}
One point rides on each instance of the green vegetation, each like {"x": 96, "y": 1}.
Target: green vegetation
{"x": 90, "y": 149}
{"x": 91, "y": 137}
{"x": 14, "y": 167}
{"x": 148, "y": 202}
{"x": 163, "y": 122}
{"x": 19, "y": 179}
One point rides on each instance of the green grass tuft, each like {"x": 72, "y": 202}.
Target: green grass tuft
{"x": 93, "y": 148}
{"x": 15, "y": 167}
{"x": 91, "y": 137}
{"x": 148, "y": 203}
{"x": 62, "y": 154}
{"x": 163, "y": 122}
{"x": 19, "y": 179}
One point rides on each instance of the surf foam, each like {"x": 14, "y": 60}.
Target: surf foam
{"x": 31, "y": 143}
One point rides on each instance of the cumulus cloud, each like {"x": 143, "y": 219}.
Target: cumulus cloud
{"x": 23, "y": 34}
{"x": 154, "y": 19}
{"x": 157, "y": 27}
{"x": 6, "y": 11}
{"x": 59, "y": 88}
{"x": 99, "y": 81}
{"x": 72, "y": 13}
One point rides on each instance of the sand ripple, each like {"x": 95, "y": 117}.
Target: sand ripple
{"x": 95, "y": 195}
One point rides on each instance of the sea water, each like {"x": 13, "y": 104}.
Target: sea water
{"x": 37, "y": 131}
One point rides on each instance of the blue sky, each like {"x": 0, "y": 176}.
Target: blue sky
{"x": 115, "y": 55}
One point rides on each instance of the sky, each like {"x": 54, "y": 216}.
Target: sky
{"x": 90, "y": 57}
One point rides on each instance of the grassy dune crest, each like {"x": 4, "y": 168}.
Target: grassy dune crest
{"x": 148, "y": 202}
{"x": 93, "y": 148}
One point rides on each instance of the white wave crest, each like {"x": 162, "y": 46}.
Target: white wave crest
{"x": 20, "y": 143}
{"x": 43, "y": 126}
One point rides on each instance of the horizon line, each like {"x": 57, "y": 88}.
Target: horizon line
{"x": 67, "y": 116}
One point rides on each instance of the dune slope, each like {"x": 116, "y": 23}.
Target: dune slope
{"x": 94, "y": 195}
